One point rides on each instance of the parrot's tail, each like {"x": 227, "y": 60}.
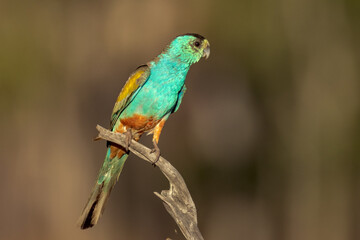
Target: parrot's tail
{"x": 108, "y": 176}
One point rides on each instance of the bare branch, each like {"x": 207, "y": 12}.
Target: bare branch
{"x": 177, "y": 200}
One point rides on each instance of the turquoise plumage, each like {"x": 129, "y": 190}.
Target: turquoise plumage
{"x": 150, "y": 95}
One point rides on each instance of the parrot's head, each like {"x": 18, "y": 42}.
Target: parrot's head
{"x": 189, "y": 48}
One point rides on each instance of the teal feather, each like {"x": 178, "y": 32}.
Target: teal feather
{"x": 107, "y": 178}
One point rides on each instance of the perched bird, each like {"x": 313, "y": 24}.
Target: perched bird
{"x": 153, "y": 92}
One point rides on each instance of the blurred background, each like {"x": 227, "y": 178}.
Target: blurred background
{"x": 267, "y": 137}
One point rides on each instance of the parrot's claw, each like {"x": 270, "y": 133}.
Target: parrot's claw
{"x": 155, "y": 150}
{"x": 128, "y": 139}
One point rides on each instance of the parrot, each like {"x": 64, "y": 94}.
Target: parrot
{"x": 150, "y": 95}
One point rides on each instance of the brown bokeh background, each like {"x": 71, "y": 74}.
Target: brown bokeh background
{"x": 267, "y": 137}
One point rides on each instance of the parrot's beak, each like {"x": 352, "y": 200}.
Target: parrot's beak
{"x": 206, "y": 51}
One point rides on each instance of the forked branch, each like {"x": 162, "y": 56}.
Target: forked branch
{"x": 177, "y": 200}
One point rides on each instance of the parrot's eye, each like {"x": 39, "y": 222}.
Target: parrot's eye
{"x": 197, "y": 43}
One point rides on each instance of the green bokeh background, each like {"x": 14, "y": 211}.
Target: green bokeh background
{"x": 267, "y": 137}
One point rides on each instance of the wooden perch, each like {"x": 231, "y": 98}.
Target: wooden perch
{"x": 177, "y": 200}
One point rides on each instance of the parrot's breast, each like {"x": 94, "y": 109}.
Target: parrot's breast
{"x": 157, "y": 97}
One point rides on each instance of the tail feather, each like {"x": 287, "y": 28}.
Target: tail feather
{"x": 107, "y": 178}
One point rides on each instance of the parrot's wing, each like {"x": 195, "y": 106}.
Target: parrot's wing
{"x": 132, "y": 85}
{"x": 180, "y": 97}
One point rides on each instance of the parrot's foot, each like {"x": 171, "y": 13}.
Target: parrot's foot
{"x": 128, "y": 139}
{"x": 155, "y": 150}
